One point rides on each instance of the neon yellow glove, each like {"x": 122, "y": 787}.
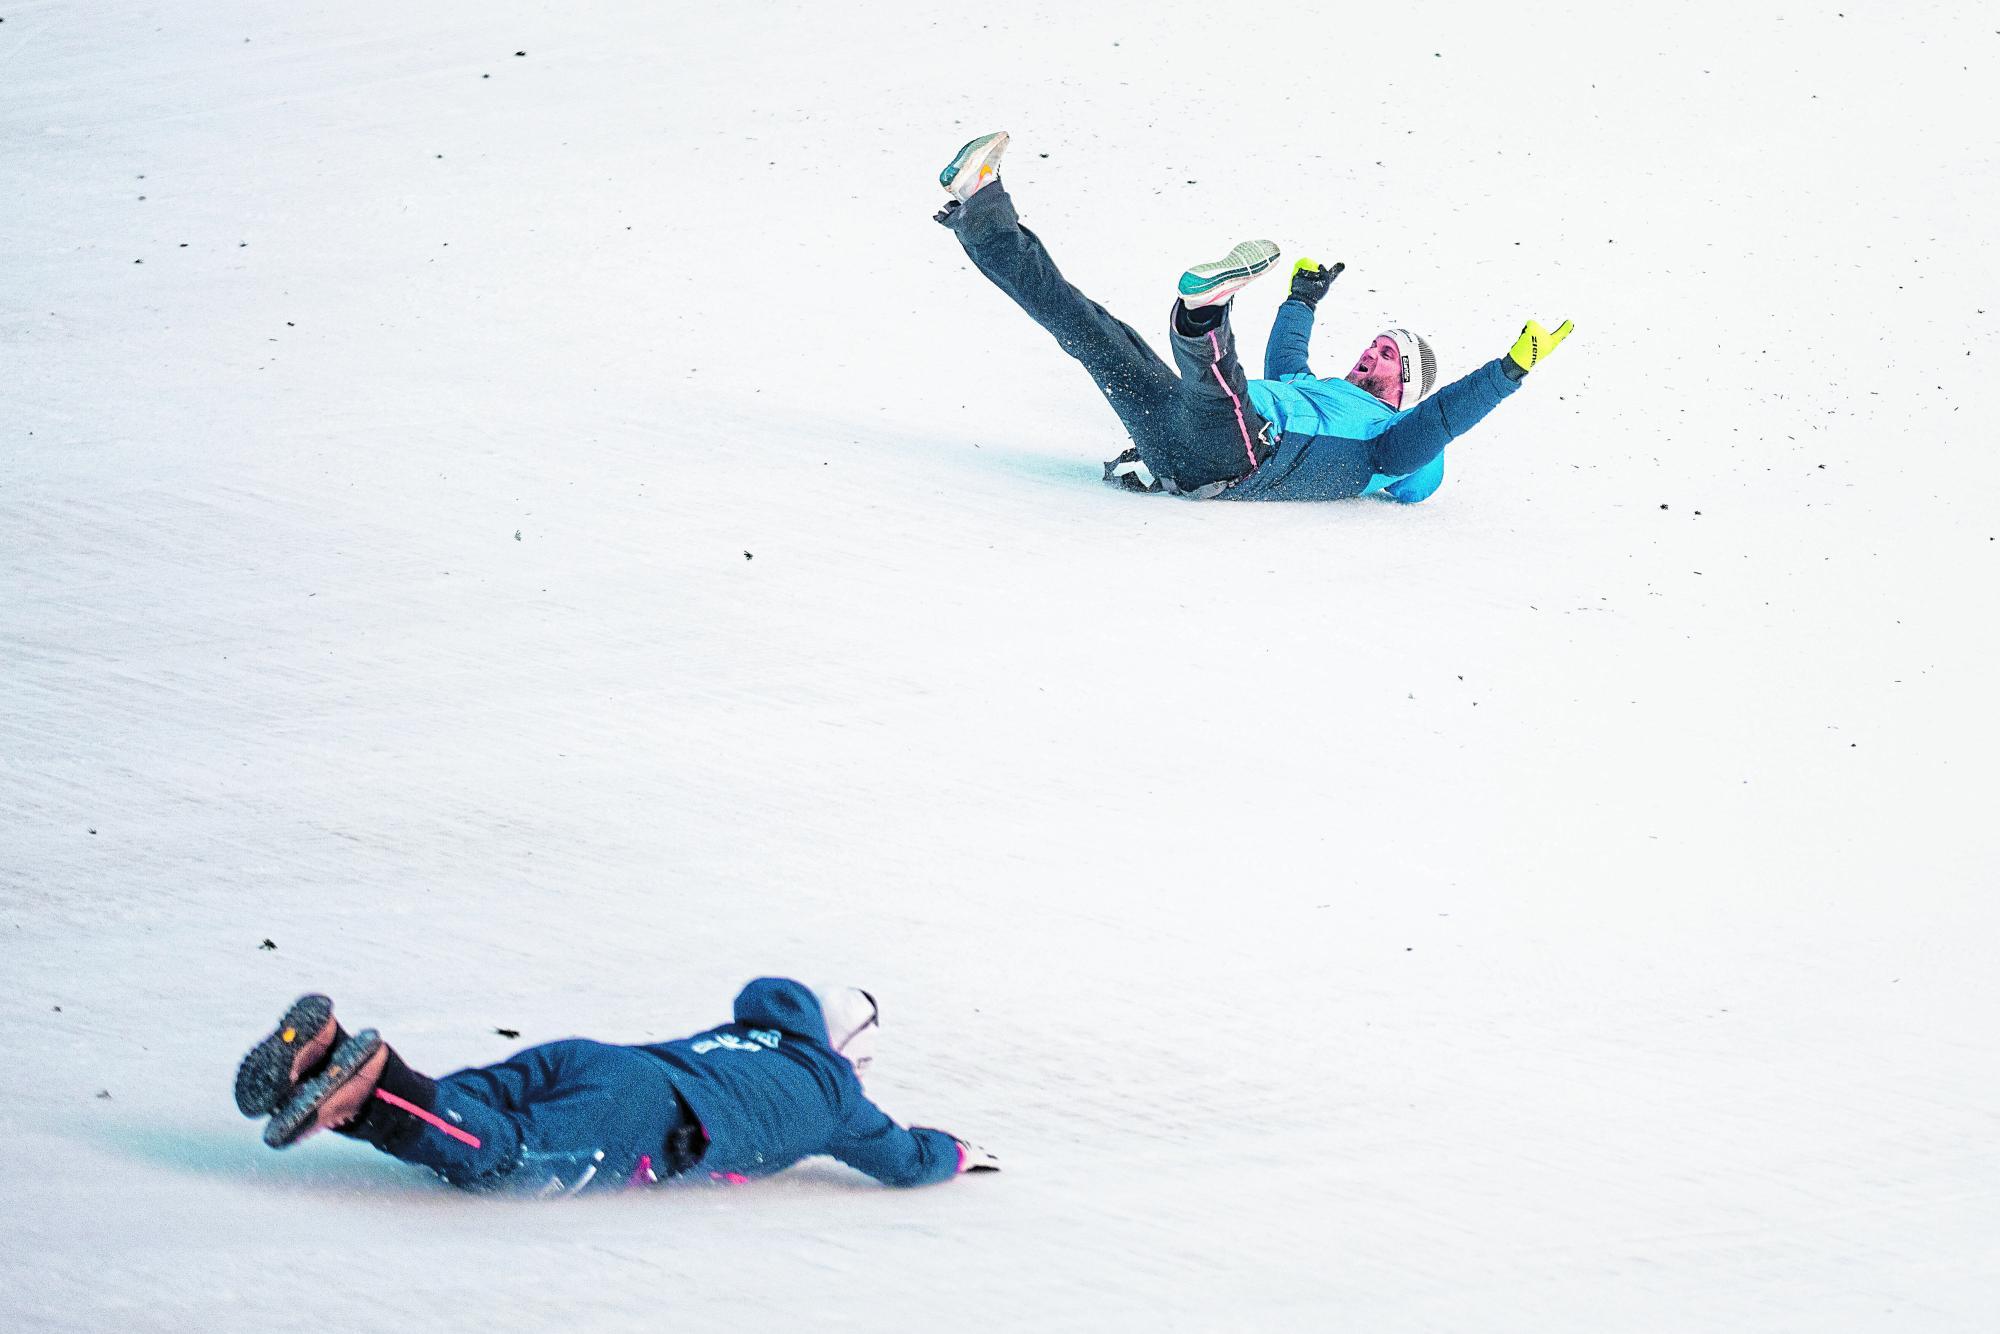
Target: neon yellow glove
{"x": 1536, "y": 342}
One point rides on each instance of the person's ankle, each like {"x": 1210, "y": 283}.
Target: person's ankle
{"x": 1203, "y": 319}
{"x": 380, "y": 1121}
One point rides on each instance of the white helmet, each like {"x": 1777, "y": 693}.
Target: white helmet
{"x": 852, "y": 1021}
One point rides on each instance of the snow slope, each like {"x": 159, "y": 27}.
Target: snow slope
{"x": 542, "y": 538}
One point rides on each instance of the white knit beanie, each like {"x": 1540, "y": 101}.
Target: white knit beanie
{"x": 852, "y": 1021}
{"x": 1420, "y": 365}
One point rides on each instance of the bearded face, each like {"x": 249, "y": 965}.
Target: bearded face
{"x": 1380, "y": 371}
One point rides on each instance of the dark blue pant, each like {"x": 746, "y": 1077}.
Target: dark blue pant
{"x": 554, "y": 1119}
{"x": 1196, "y": 427}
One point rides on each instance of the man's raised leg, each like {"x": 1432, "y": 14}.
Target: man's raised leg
{"x": 1131, "y": 376}
{"x": 1218, "y": 436}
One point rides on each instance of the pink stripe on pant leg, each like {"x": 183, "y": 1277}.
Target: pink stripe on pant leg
{"x": 1215, "y": 368}
{"x": 463, "y": 1137}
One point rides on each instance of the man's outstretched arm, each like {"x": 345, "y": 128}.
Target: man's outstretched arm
{"x": 1291, "y": 331}
{"x": 873, "y": 1143}
{"x": 1455, "y": 409}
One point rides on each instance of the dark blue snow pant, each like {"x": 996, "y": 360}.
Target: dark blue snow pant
{"x": 1193, "y": 428}
{"x": 555, "y": 1119}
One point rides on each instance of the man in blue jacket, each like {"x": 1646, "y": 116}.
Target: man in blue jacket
{"x": 1210, "y": 431}
{"x": 781, "y": 1082}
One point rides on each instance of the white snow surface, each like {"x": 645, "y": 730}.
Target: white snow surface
{"x": 543, "y": 538}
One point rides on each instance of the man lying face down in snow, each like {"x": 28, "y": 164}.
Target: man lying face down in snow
{"x": 1209, "y": 432}
{"x": 780, "y": 1083}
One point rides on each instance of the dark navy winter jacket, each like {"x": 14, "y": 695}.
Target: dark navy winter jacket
{"x": 768, "y": 1091}
{"x": 1336, "y": 440}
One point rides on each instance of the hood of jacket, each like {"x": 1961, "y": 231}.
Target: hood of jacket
{"x": 783, "y": 1004}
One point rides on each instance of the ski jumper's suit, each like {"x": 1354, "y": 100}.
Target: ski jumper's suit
{"x": 1209, "y": 431}
{"x": 743, "y": 1100}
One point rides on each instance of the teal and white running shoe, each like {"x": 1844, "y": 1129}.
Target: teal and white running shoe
{"x": 974, "y": 165}
{"x": 1213, "y": 284}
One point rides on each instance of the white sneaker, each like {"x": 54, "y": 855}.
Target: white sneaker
{"x": 975, "y": 164}
{"x": 1212, "y": 284}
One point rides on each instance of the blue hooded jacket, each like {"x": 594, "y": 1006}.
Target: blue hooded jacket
{"x": 769, "y": 1090}
{"x": 1335, "y": 439}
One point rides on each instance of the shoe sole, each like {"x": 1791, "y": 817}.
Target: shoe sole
{"x": 289, "y": 1123}
{"x": 265, "y": 1077}
{"x": 1230, "y": 272}
{"x": 977, "y": 156}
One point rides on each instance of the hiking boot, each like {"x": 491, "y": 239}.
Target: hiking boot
{"x": 976, "y": 164}
{"x": 334, "y": 1096}
{"x": 1213, "y": 284}
{"x": 294, "y": 1050}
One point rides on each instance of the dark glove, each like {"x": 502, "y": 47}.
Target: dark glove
{"x": 1310, "y": 281}
{"x": 1130, "y": 471}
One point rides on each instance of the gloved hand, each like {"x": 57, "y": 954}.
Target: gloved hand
{"x": 1130, "y": 471}
{"x": 1535, "y": 343}
{"x": 1310, "y": 281}
{"x": 972, "y": 1158}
